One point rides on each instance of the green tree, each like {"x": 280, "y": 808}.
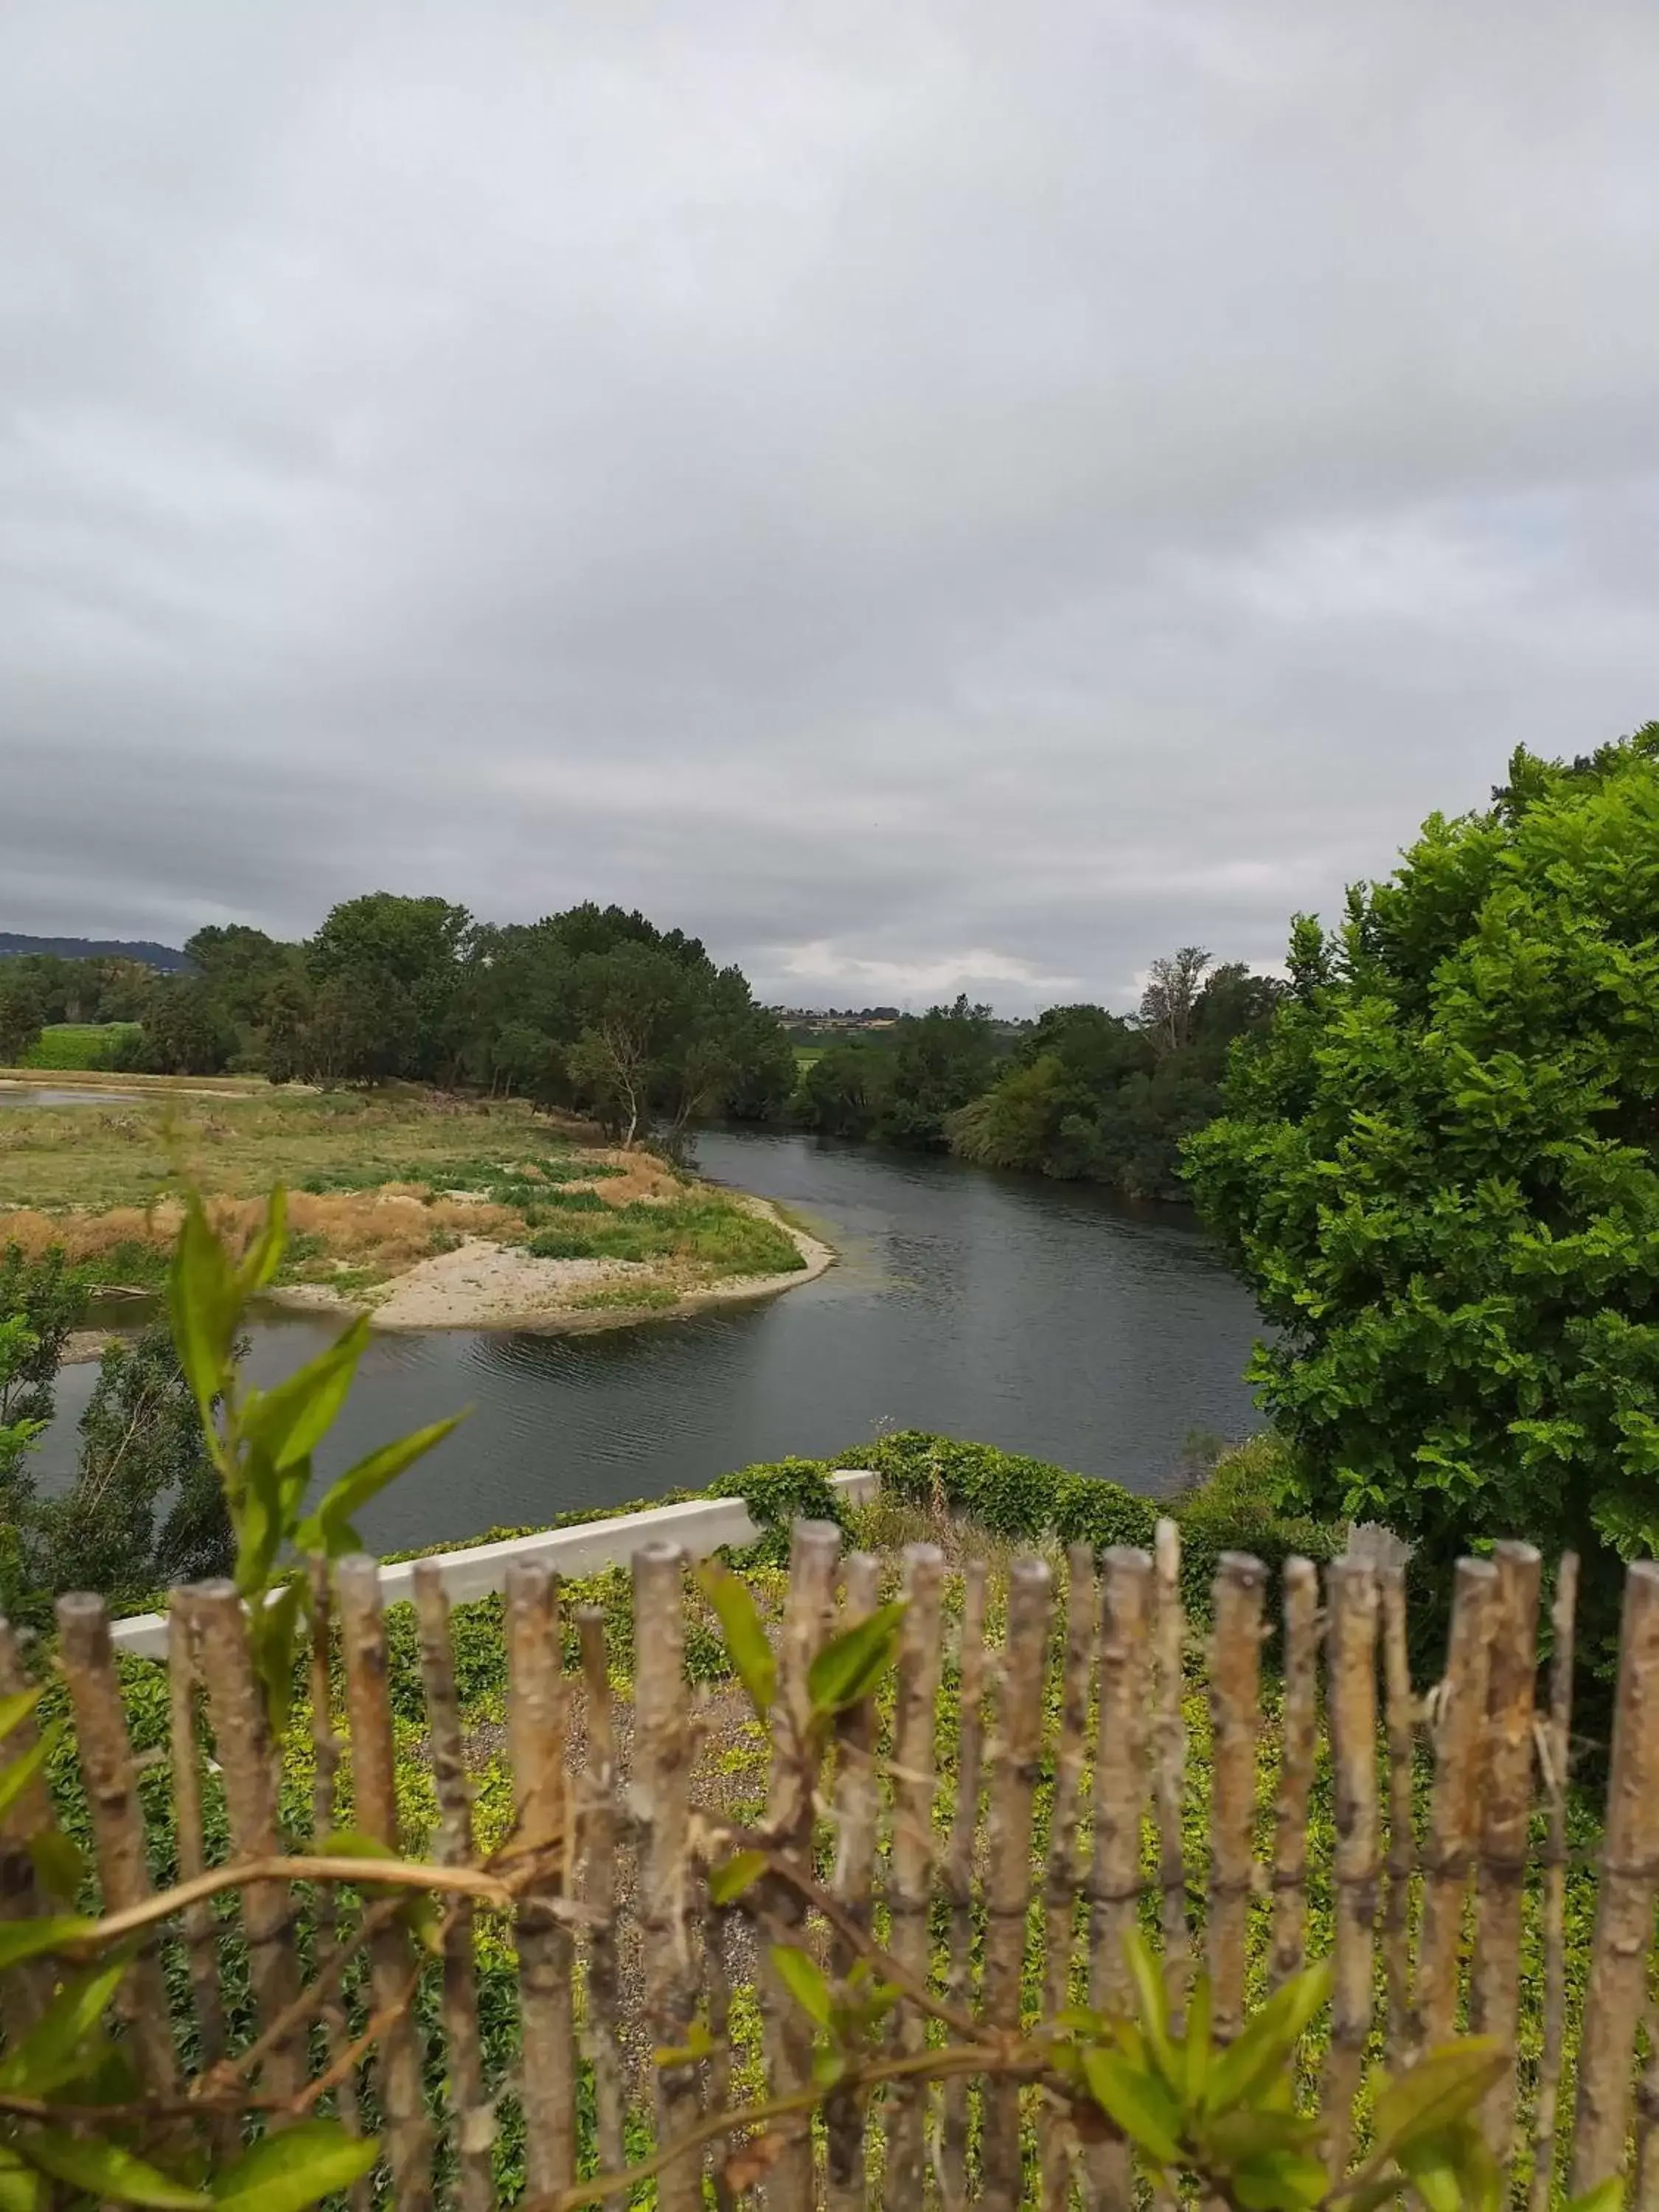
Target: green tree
{"x": 284, "y": 1022}
{"x": 241, "y": 965}
{"x": 1168, "y": 1004}
{"x": 941, "y": 1059}
{"x": 22, "y": 1013}
{"x": 40, "y": 1295}
{"x": 847, "y": 1090}
{"x": 1440, "y": 1175}
{"x": 186, "y": 1032}
{"x": 146, "y": 1508}
{"x": 636, "y": 1006}
{"x": 387, "y": 972}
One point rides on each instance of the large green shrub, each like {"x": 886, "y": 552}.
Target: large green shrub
{"x": 1439, "y": 1175}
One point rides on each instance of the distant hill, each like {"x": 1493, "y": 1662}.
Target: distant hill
{"x": 97, "y": 948}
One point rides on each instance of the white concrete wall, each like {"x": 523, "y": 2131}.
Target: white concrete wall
{"x": 701, "y": 1526}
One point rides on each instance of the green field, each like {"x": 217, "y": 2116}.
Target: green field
{"x": 807, "y": 1056}
{"x": 79, "y": 1044}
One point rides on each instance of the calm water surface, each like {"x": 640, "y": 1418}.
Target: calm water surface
{"x": 1050, "y": 1319}
{"x": 34, "y": 1094}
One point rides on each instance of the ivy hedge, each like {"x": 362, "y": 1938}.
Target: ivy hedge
{"x": 1016, "y": 1498}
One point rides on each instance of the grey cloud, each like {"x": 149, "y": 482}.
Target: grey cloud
{"x": 945, "y": 491}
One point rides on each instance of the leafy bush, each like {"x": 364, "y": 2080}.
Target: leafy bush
{"x": 1439, "y": 1175}
{"x": 711, "y": 1231}
{"x": 779, "y": 1492}
{"x": 1234, "y": 1509}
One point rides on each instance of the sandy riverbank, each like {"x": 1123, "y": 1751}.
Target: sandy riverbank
{"x": 483, "y": 1285}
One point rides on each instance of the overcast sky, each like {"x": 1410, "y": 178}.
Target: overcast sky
{"x": 934, "y": 496}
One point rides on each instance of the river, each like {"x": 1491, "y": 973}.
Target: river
{"x": 1049, "y": 1318}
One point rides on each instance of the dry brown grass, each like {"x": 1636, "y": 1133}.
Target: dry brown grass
{"x": 639, "y": 1176}
{"x": 383, "y": 1231}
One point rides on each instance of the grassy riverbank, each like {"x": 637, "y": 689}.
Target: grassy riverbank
{"x": 433, "y": 1211}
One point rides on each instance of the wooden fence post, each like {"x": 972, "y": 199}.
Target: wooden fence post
{"x": 1298, "y": 1743}
{"x": 1624, "y": 1911}
{"x": 1506, "y": 1811}
{"x": 1008, "y": 1860}
{"x": 1120, "y": 1800}
{"x": 599, "y": 1844}
{"x": 1056, "y": 2141}
{"x": 662, "y": 1755}
{"x": 1170, "y": 1766}
{"x": 393, "y": 1970}
{"x": 325, "y": 1769}
{"x": 535, "y": 1725}
{"x": 241, "y": 1736}
{"x": 1556, "y": 1741}
{"x": 915, "y": 1728}
{"x": 1402, "y": 1835}
{"x": 1351, "y": 1641}
{"x": 1235, "y": 1719}
{"x": 958, "y": 1871}
{"x": 118, "y": 1822}
{"x": 200, "y": 1920}
{"x": 857, "y": 1808}
{"x": 475, "y": 2118}
{"x": 1460, "y": 1730}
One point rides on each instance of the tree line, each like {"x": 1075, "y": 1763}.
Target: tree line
{"x": 595, "y": 1010}
{"x": 1081, "y": 1094}
{"x": 601, "y": 1013}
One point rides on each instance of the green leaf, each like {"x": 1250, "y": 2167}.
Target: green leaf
{"x": 273, "y": 1629}
{"x": 259, "y": 1521}
{"x": 1279, "y": 2182}
{"x": 801, "y": 1978}
{"x": 1433, "y": 2174}
{"x": 290, "y": 1421}
{"x": 1460, "y": 2150}
{"x": 33, "y": 1939}
{"x": 1445, "y": 2083}
{"x": 1196, "y": 2048}
{"x": 729, "y": 1880}
{"x": 105, "y": 2169}
{"x": 1148, "y": 1978}
{"x": 14, "y": 1711}
{"x": 265, "y": 1256}
{"x": 54, "y": 2050}
{"x": 1236, "y": 2137}
{"x": 1606, "y": 2197}
{"x": 851, "y": 1665}
{"x": 202, "y": 1299}
{"x": 17, "y": 1774}
{"x": 828, "y": 2066}
{"x": 698, "y": 2045}
{"x": 359, "y": 1484}
{"x": 421, "y": 1913}
{"x": 1264, "y": 2047}
{"x": 285, "y": 2172}
{"x": 21, "y": 2188}
{"x": 745, "y": 1640}
{"x": 60, "y": 1865}
{"x": 1138, "y": 2103}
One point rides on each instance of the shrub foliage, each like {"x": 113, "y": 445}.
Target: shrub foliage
{"x": 1440, "y": 1173}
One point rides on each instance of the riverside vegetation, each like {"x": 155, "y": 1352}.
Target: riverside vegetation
{"x": 385, "y": 1181}
{"x": 1144, "y": 2058}
{"x": 601, "y": 1014}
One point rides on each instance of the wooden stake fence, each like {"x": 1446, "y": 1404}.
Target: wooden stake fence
{"x": 1070, "y": 1758}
